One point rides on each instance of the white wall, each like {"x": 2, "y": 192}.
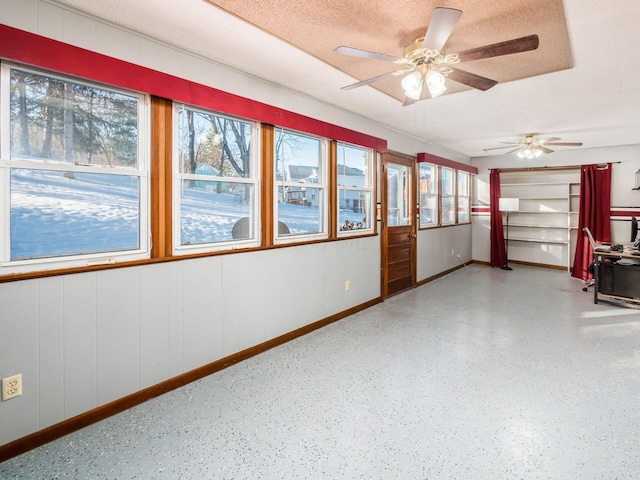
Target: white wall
{"x": 84, "y": 340}
{"x": 434, "y": 249}
{"x": 622, "y": 182}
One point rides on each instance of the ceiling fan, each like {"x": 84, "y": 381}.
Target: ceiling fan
{"x": 424, "y": 62}
{"x": 531, "y": 147}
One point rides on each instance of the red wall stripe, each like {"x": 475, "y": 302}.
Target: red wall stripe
{"x": 34, "y": 50}
{"x": 445, "y": 162}
{"x": 625, "y": 213}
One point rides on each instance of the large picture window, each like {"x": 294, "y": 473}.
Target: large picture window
{"x": 428, "y": 187}
{"x": 301, "y": 186}
{"x": 355, "y": 189}
{"x": 74, "y": 172}
{"x": 216, "y": 186}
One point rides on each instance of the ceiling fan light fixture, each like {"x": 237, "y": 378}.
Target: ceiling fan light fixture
{"x": 412, "y": 85}
{"x": 529, "y": 153}
{"x": 435, "y": 83}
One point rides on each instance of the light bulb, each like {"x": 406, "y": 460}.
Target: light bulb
{"x": 412, "y": 85}
{"x": 435, "y": 83}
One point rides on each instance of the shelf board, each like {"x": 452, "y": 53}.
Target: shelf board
{"x": 535, "y": 183}
{"x": 530, "y": 225}
{"x": 544, "y": 198}
{"x": 538, "y": 211}
{"x": 539, "y": 240}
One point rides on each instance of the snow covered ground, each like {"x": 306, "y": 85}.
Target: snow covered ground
{"x": 52, "y": 214}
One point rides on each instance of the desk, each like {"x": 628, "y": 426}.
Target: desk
{"x": 617, "y": 278}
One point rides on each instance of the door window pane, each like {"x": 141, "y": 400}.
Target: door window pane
{"x": 398, "y": 208}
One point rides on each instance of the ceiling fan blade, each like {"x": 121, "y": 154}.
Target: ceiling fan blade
{"x": 550, "y": 139}
{"x": 374, "y": 79}
{"x": 442, "y": 23}
{"x": 471, "y": 79}
{"x": 357, "y": 52}
{"x": 497, "y": 148}
{"x": 544, "y": 149}
{"x": 564, "y": 144}
{"x": 517, "y": 45}
{"x": 409, "y": 101}
{"x": 512, "y": 151}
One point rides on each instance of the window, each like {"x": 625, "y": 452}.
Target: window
{"x": 216, "y": 186}
{"x": 355, "y": 189}
{"x": 448, "y": 197}
{"x": 398, "y": 195}
{"x": 74, "y": 172}
{"x": 428, "y": 187}
{"x": 464, "y": 204}
{"x": 300, "y": 165}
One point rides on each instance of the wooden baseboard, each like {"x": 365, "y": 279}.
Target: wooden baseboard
{"x": 78, "y": 422}
{"x": 520, "y": 262}
{"x": 442, "y": 274}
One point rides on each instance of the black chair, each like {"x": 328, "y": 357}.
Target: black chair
{"x": 592, "y": 265}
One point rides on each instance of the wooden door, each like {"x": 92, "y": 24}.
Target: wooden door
{"x": 398, "y": 225}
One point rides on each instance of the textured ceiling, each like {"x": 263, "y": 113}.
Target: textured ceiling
{"x": 388, "y": 27}
{"x": 596, "y": 102}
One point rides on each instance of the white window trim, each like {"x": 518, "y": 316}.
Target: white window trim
{"x": 8, "y": 266}
{"x": 367, "y": 188}
{"x": 435, "y": 169}
{"x": 452, "y": 197}
{"x": 178, "y": 178}
{"x": 466, "y": 197}
{"x": 322, "y": 186}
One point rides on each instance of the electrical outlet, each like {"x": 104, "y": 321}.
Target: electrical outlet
{"x": 11, "y": 387}
{"x": 347, "y": 285}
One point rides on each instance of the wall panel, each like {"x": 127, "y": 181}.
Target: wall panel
{"x": 51, "y": 350}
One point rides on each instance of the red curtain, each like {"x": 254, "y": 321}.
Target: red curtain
{"x": 498, "y": 255}
{"x": 595, "y": 213}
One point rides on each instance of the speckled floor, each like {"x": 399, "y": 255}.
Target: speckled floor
{"x": 482, "y": 374}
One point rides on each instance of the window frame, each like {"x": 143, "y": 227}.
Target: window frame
{"x": 465, "y": 196}
{"x": 367, "y": 188}
{"x": 434, "y": 193}
{"x": 141, "y": 171}
{"x": 451, "y": 197}
{"x": 323, "y": 185}
{"x": 179, "y": 177}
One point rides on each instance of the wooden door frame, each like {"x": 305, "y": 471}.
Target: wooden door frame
{"x": 410, "y": 162}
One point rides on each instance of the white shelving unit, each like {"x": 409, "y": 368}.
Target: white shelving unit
{"x": 545, "y": 228}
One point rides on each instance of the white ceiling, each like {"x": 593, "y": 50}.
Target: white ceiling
{"x": 597, "y": 102}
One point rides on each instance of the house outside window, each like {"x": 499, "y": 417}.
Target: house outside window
{"x": 74, "y": 171}
{"x": 216, "y": 184}
{"x": 355, "y": 189}
{"x": 300, "y": 165}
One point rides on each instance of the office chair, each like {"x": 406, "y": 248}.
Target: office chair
{"x": 592, "y": 265}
